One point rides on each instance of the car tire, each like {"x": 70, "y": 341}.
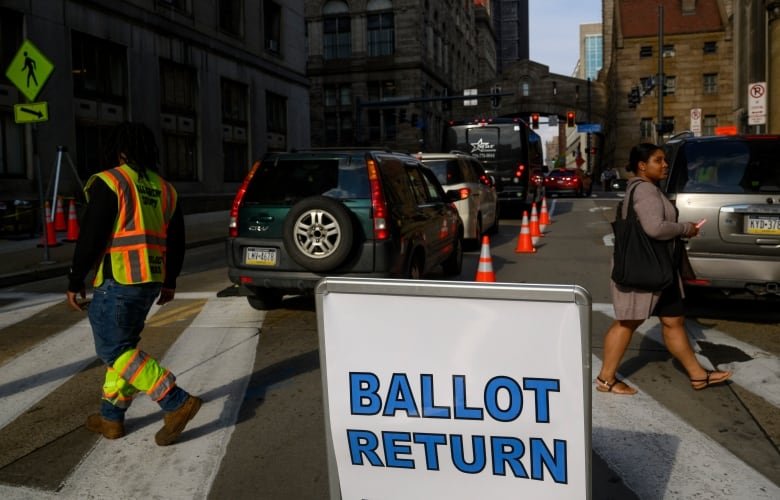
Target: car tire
{"x": 318, "y": 233}
{"x": 265, "y": 299}
{"x": 453, "y": 265}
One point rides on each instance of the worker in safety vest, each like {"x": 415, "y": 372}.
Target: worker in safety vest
{"x": 132, "y": 233}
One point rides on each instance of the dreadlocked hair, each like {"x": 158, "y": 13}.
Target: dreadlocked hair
{"x": 135, "y": 144}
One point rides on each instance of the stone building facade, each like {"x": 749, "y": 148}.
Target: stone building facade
{"x": 365, "y": 54}
{"x": 698, "y": 59}
{"x": 220, "y": 82}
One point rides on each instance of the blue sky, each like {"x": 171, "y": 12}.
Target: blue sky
{"x": 554, "y": 27}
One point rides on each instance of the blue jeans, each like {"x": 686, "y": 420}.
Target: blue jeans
{"x": 117, "y": 315}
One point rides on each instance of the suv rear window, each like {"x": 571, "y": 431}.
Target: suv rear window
{"x": 751, "y": 166}
{"x": 446, "y": 171}
{"x": 288, "y": 180}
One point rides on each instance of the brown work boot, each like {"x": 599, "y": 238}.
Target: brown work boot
{"x": 110, "y": 429}
{"x": 176, "y": 420}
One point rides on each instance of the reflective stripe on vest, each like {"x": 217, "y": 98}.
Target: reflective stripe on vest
{"x": 145, "y": 208}
{"x": 144, "y": 373}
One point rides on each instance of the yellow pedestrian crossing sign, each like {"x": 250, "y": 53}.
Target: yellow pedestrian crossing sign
{"x": 31, "y": 112}
{"x": 29, "y": 70}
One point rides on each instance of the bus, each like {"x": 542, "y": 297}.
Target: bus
{"x": 509, "y": 150}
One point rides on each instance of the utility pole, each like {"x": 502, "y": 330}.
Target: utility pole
{"x": 661, "y": 83}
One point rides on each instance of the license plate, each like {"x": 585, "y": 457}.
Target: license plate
{"x": 762, "y": 225}
{"x": 255, "y": 256}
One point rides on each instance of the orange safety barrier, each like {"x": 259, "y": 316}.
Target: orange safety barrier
{"x": 485, "y": 268}
{"x": 524, "y": 242}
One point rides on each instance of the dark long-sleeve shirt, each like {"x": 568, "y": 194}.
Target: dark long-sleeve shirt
{"x": 95, "y": 231}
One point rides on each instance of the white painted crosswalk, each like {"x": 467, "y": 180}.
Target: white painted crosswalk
{"x": 654, "y": 451}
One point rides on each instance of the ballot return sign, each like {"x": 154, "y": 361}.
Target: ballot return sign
{"x": 455, "y": 390}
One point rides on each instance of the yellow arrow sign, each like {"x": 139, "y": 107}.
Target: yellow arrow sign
{"x": 32, "y": 112}
{"x": 29, "y": 70}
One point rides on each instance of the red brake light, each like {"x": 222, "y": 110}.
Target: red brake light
{"x": 464, "y": 193}
{"x": 378, "y": 204}
{"x": 520, "y": 170}
{"x": 233, "y": 224}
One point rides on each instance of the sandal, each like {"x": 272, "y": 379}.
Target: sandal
{"x": 706, "y": 382}
{"x": 604, "y": 386}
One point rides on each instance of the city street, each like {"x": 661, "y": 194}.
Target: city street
{"x": 260, "y": 433}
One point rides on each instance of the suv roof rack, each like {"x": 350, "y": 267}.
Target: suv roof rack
{"x": 682, "y": 135}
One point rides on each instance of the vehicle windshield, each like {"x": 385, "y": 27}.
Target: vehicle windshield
{"x": 749, "y": 166}
{"x": 285, "y": 180}
{"x": 446, "y": 171}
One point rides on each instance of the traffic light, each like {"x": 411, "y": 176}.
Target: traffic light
{"x": 535, "y": 120}
{"x": 634, "y": 97}
{"x": 570, "y": 118}
{"x": 495, "y": 99}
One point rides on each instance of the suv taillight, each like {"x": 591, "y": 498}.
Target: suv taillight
{"x": 378, "y": 204}
{"x": 520, "y": 170}
{"x": 464, "y": 193}
{"x": 233, "y": 224}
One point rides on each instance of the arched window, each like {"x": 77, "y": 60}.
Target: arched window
{"x": 337, "y": 30}
{"x": 381, "y": 28}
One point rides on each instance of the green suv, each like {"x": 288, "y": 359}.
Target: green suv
{"x": 302, "y": 216}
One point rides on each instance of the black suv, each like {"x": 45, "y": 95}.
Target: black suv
{"x": 301, "y": 216}
{"x": 734, "y": 183}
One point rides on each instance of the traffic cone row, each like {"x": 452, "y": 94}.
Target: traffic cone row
{"x": 485, "y": 268}
{"x": 534, "y": 229}
{"x": 544, "y": 217}
{"x": 49, "y": 232}
{"x": 73, "y": 223}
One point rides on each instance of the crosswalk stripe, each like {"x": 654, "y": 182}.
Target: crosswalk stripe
{"x": 212, "y": 359}
{"x": 760, "y": 375}
{"x": 658, "y": 455}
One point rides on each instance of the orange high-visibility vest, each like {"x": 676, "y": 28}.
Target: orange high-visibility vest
{"x": 138, "y": 243}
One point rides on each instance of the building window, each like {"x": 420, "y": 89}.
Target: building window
{"x": 646, "y": 51}
{"x": 276, "y": 121}
{"x": 99, "y": 90}
{"x": 594, "y": 50}
{"x": 180, "y": 5}
{"x": 381, "y": 34}
{"x": 338, "y": 118}
{"x": 178, "y": 121}
{"x": 710, "y": 81}
{"x": 525, "y": 89}
{"x": 235, "y": 127}
{"x": 272, "y": 24}
{"x": 647, "y": 85}
{"x": 710, "y": 47}
{"x": 668, "y": 50}
{"x": 670, "y": 85}
{"x": 668, "y": 124}
{"x": 381, "y": 123}
{"x": 337, "y": 30}
{"x": 709, "y": 124}
{"x": 230, "y": 16}
{"x": 646, "y": 128}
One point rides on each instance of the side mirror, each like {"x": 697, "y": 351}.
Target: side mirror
{"x": 453, "y": 195}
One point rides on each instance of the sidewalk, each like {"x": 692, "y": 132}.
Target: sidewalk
{"x": 23, "y": 261}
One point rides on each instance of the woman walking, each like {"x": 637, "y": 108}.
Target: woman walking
{"x": 658, "y": 218}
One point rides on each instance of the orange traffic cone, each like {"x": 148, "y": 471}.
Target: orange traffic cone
{"x": 485, "y": 268}
{"x": 59, "y": 216}
{"x": 544, "y": 217}
{"x": 524, "y": 243}
{"x": 50, "y": 234}
{"x": 73, "y": 222}
{"x": 533, "y": 226}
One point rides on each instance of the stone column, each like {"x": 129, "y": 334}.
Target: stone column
{"x": 773, "y": 63}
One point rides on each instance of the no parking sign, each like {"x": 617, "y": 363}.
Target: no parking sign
{"x": 455, "y": 389}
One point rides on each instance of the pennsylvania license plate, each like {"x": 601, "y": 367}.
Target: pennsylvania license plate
{"x": 257, "y": 256}
{"x": 762, "y": 224}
